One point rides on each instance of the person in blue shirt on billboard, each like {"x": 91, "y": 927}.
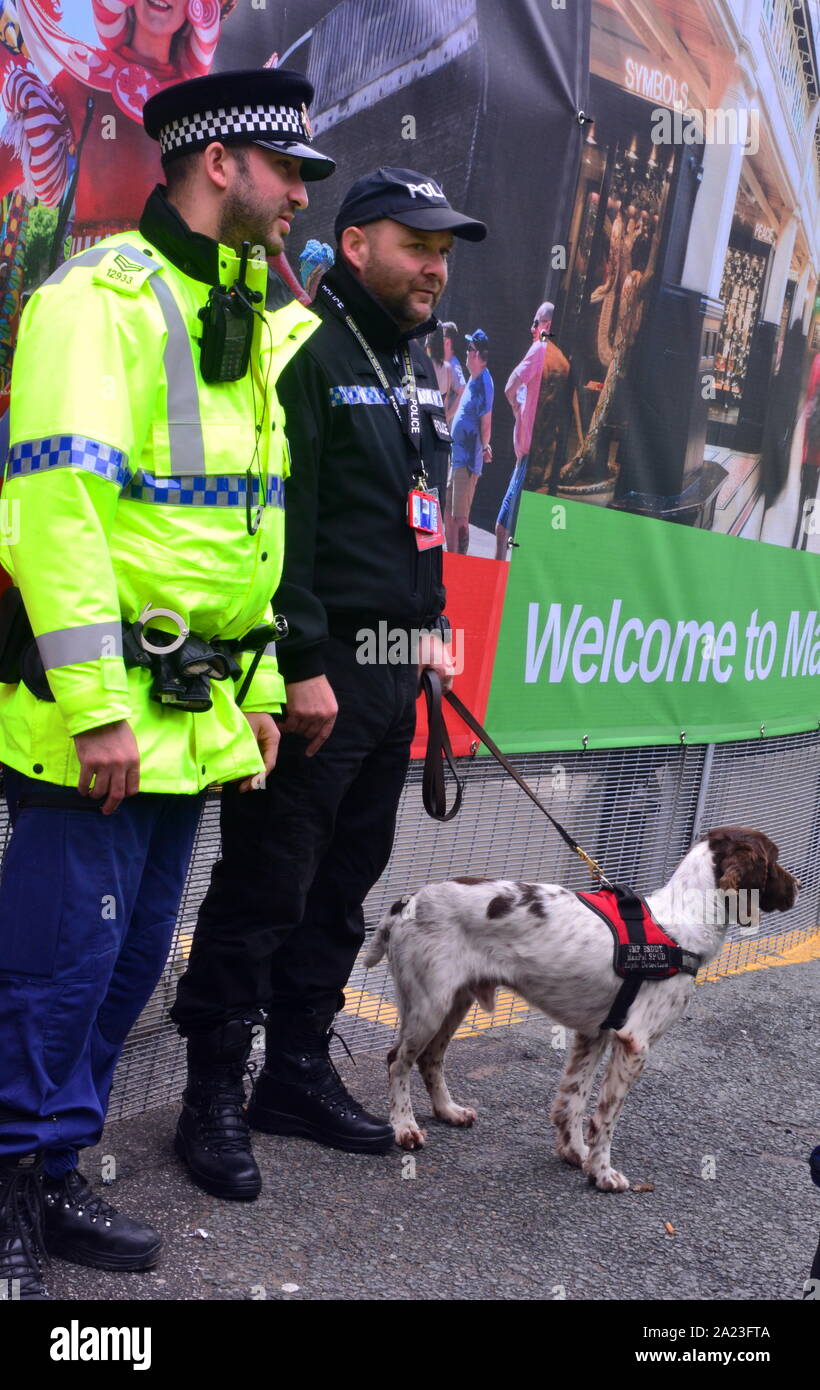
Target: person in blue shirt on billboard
{"x": 471, "y": 430}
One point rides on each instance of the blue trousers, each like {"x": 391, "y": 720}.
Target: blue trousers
{"x": 88, "y": 905}
{"x": 508, "y": 511}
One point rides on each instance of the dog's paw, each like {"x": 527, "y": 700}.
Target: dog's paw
{"x": 606, "y": 1179}
{"x": 409, "y": 1136}
{"x": 456, "y": 1115}
{"x": 569, "y": 1153}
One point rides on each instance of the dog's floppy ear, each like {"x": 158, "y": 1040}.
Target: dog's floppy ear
{"x": 740, "y": 857}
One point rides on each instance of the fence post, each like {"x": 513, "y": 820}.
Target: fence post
{"x": 705, "y": 779}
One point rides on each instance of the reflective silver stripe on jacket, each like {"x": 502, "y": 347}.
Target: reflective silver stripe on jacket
{"x": 184, "y": 423}
{"x": 68, "y": 645}
{"x": 92, "y": 256}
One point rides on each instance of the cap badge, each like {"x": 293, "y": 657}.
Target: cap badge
{"x": 306, "y": 122}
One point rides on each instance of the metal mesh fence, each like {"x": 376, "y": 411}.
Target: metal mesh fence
{"x": 636, "y": 811}
{"x": 774, "y": 786}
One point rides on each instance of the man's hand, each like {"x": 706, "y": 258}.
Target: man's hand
{"x": 312, "y": 711}
{"x": 435, "y": 655}
{"x": 108, "y": 755}
{"x": 267, "y": 739}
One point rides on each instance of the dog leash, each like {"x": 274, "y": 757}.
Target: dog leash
{"x": 439, "y": 750}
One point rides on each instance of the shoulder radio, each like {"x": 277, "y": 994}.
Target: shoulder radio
{"x": 227, "y": 327}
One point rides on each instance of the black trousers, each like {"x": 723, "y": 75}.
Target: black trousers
{"x": 282, "y": 922}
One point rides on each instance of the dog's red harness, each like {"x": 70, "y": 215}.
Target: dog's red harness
{"x": 642, "y": 949}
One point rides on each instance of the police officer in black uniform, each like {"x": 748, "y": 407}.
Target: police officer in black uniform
{"x": 282, "y": 922}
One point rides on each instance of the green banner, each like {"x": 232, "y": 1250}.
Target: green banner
{"x": 623, "y": 631}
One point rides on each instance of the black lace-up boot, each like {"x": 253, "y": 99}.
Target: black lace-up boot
{"x": 300, "y": 1092}
{"x": 83, "y": 1228}
{"x": 212, "y": 1136}
{"x": 22, "y": 1251}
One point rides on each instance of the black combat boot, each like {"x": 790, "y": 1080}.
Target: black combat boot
{"x": 22, "y": 1251}
{"x": 212, "y": 1136}
{"x": 83, "y": 1228}
{"x": 300, "y": 1092}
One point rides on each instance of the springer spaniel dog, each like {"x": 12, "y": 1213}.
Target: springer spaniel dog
{"x": 454, "y": 943}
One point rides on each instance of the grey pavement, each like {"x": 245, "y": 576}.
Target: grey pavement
{"x": 491, "y": 1213}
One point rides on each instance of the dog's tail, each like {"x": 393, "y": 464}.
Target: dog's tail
{"x": 381, "y": 937}
{"x": 378, "y": 945}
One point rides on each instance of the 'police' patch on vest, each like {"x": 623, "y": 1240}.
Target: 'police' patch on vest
{"x": 119, "y": 272}
{"x": 374, "y": 395}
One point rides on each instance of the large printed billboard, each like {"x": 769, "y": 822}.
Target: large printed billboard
{"x": 632, "y": 519}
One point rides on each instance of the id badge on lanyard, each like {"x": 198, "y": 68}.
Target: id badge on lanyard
{"x": 423, "y": 504}
{"x": 424, "y": 516}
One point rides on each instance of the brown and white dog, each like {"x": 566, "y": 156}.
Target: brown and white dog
{"x": 454, "y": 943}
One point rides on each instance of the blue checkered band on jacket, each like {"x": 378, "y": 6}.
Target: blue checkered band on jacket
{"x": 202, "y": 490}
{"x": 374, "y": 395}
{"x": 69, "y": 451}
{"x": 266, "y": 122}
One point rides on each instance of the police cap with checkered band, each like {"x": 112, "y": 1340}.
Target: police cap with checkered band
{"x": 261, "y": 106}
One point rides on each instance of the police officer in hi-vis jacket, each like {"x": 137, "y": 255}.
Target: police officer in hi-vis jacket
{"x": 147, "y": 468}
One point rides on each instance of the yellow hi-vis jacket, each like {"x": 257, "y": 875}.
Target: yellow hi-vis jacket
{"x": 126, "y": 485}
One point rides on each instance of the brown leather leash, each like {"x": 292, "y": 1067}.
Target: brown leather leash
{"x": 439, "y": 750}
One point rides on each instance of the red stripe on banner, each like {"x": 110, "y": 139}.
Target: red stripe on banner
{"x": 475, "y": 598}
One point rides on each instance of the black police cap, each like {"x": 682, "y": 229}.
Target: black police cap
{"x": 405, "y": 196}
{"x": 260, "y": 106}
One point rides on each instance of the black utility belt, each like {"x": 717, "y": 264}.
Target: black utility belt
{"x": 182, "y": 676}
{"x": 182, "y": 664}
